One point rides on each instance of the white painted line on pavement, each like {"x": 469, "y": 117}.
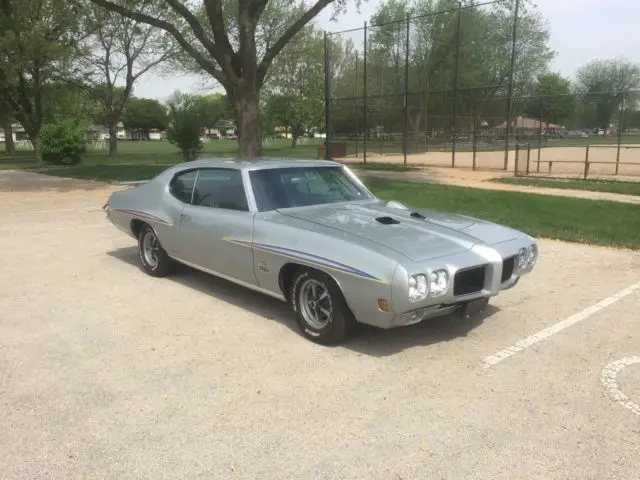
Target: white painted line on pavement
{"x": 558, "y": 327}
{"x": 608, "y": 379}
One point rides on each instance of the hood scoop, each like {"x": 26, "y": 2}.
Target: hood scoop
{"x": 387, "y": 221}
{"x": 417, "y": 215}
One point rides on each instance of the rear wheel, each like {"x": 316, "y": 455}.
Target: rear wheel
{"x": 153, "y": 258}
{"x": 322, "y": 312}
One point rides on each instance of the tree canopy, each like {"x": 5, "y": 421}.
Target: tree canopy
{"x": 229, "y": 50}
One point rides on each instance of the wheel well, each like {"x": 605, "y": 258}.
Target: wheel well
{"x": 136, "y": 225}
{"x": 288, "y": 272}
{"x": 285, "y": 277}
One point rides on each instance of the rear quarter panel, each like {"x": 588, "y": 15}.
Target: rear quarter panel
{"x": 151, "y": 203}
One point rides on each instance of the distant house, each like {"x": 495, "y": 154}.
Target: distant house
{"x": 17, "y": 133}
{"x": 528, "y": 126}
{"x": 223, "y": 129}
{"x": 282, "y": 132}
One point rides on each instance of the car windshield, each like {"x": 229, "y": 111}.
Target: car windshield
{"x": 297, "y": 187}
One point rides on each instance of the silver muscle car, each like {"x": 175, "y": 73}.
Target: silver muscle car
{"x": 311, "y": 234}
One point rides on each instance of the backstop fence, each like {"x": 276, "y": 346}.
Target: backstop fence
{"x": 447, "y": 88}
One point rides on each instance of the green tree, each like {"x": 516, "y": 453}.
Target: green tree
{"x": 64, "y": 100}
{"x": 185, "y": 124}
{"x": 227, "y": 46}
{"x": 145, "y": 114}
{"x": 483, "y": 70}
{"x": 63, "y": 141}
{"x": 294, "y": 97}
{"x": 605, "y": 86}
{"x": 554, "y": 100}
{"x": 6, "y": 119}
{"x": 38, "y": 38}
{"x": 120, "y": 51}
{"x": 214, "y": 107}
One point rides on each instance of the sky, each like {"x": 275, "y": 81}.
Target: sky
{"x": 581, "y": 30}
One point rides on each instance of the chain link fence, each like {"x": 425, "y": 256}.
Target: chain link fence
{"x": 447, "y": 88}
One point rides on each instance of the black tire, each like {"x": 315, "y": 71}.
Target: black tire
{"x": 164, "y": 264}
{"x": 340, "y": 324}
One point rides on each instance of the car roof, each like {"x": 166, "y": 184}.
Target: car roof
{"x": 260, "y": 163}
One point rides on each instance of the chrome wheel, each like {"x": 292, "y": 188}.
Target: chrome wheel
{"x": 150, "y": 246}
{"x": 315, "y": 303}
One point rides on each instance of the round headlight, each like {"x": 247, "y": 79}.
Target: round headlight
{"x": 418, "y": 287}
{"x": 438, "y": 283}
{"x": 532, "y": 255}
{"x": 523, "y": 257}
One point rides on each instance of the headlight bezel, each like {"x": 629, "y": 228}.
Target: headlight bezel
{"x": 439, "y": 273}
{"x": 420, "y": 287}
{"x": 431, "y": 284}
{"x": 527, "y": 257}
{"x": 532, "y": 255}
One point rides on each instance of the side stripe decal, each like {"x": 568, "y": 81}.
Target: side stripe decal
{"x": 146, "y": 216}
{"x": 309, "y": 257}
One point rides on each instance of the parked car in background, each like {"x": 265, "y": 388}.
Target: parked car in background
{"x": 311, "y": 234}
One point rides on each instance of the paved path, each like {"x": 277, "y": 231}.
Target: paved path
{"x": 20, "y": 180}
{"x": 486, "y": 185}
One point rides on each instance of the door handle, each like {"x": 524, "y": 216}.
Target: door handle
{"x": 184, "y": 217}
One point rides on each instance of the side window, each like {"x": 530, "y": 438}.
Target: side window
{"x": 182, "y": 185}
{"x": 220, "y": 188}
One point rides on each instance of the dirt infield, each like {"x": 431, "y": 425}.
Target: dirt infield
{"x": 552, "y": 160}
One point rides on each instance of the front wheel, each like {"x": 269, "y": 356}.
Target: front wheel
{"x": 153, "y": 257}
{"x": 322, "y": 312}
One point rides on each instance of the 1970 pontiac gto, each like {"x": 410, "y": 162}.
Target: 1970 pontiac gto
{"x": 311, "y": 234}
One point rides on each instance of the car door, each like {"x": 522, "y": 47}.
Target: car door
{"x": 175, "y": 200}
{"x": 215, "y": 231}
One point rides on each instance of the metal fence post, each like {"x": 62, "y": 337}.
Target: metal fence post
{"x": 528, "y": 157}
{"x": 455, "y": 90}
{"x": 406, "y": 93}
{"x": 357, "y": 106}
{"x": 327, "y": 97}
{"x": 364, "y": 67}
{"x": 620, "y": 134}
{"x": 540, "y": 134}
{"x": 476, "y": 117}
{"x": 586, "y": 163}
{"x": 511, "y": 74}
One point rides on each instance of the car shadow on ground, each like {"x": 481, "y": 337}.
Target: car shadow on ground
{"x": 369, "y": 341}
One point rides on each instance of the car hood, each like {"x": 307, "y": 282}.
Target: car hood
{"x": 436, "y": 235}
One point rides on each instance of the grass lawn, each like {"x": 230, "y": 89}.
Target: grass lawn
{"x": 142, "y": 160}
{"x": 612, "y": 186}
{"x": 570, "y": 219}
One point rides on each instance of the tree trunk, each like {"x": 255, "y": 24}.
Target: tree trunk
{"x": 113, "y": 138}
{"x": 248, "y": 121}
{"x": 33, "y": 133}
{"x": 9, "y": 146}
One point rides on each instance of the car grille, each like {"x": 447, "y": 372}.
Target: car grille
{"x": 469, "y": 281}
{"x": 508, "y": 266}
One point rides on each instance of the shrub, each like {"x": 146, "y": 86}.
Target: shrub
{"x": 185, "y": 125}
{"x": 62, "y": 142}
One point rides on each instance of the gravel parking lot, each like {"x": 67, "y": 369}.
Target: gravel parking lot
{"x": 108, "y": 373}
